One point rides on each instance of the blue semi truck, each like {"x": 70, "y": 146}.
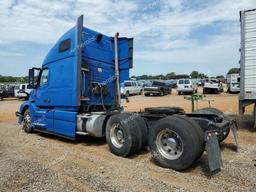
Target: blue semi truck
{"x": 77, "y": 92}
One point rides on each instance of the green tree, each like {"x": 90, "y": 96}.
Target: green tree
{"x": 170, "y": 75}
{"x": 194, "y": 74}
{"x": 234, "y": 70}
{"x": 219, "y": 76}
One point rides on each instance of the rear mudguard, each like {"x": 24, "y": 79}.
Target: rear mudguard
{"x": 212, "y": 128}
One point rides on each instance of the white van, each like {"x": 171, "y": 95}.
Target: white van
{"x": 131, "y": 88}
{"x": 233, "y": 83}
{"x": 186, "y": 86}
{"x": 22, "y": 91}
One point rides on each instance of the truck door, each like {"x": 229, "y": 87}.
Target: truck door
{"x": 43, "y": 116}
{"x": 41, "y": 96}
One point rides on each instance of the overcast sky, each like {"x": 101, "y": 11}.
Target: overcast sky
{"x": 169, "y": 35}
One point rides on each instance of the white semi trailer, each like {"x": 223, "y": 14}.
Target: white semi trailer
{"x": 248, "y": 61}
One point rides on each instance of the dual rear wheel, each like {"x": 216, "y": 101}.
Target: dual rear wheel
{"x": 175, "y": 141}
{"x": 126, "y": 134}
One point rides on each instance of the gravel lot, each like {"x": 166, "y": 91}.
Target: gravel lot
{"x": 40, "y": 162}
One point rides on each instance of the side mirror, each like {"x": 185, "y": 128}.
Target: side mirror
{"x": 31, "y": 79}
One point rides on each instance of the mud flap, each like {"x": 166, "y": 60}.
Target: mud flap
{"x": 213, "y": 151}
{"x": 254, "y": 116}
{"x": 234, "y": 129}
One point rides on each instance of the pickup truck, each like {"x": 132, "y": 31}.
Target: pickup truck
{"x": 158, "y": 88}
{"x": 22, "y": 91}
{"x": 212, "y": 86}
{"x": 6, "y": 91}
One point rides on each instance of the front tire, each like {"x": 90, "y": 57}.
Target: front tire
{"x": 27, "y": 122}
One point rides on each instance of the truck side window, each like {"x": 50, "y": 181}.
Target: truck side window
{"x": 64, "y": 45}
{"x": 44, "y": 77}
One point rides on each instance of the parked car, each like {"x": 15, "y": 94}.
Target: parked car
{"x": 131, "y": 88}
{"x": 186, "y": 86}
{"x": 6, "y": 91}
{"x": 158, "y": 88}
{"x": 22, "y": 91}
{"x": 172, "y": 83}
{"x": 212, "y": 86}
{"x": 200, "y": 82}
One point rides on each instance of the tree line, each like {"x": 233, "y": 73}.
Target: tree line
{"x": 11, "y": 79}
{"x": 193, "y": 75}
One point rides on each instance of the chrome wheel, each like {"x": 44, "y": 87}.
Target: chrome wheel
{"x": 117, "y": 135}
{"x": 169, "y": 144}
{"x": 27, "y": 121}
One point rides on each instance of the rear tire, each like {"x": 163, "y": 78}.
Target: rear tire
{"x": 200, "y": 134}
{"x": 27, "y": 122}
{"x": 127, "y": 94}
{"x": 142, "y": 127}
{"x": 122, "y": 136}
{"x": 173, "y": 143}
{"x": 146, "y": 94}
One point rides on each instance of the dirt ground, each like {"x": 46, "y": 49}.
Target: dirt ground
{"x": 40, "y": 162}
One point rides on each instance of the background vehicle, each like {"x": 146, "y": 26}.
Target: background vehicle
{"x": 172, "y": 83}
{"x": 233, "y": 83}
{"x": 212, "y": 86}
{"x": 200, "y": 82}
{"x": 22, "y": 91}
{"x": 247, "y": 61}
{"x": 158, "y": 88}
{"x": 6, "y": 91}
{"x": 131, "y": 88}
{"x": 186, "y": 86}
{"x": 77, "y": 96}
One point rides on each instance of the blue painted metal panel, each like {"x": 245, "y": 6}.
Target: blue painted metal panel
{"x": 54, "y": 54}
{"x": 98, "y": 56}
{"x": 61, "y": 89}
{"x": 65, "y": 123}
